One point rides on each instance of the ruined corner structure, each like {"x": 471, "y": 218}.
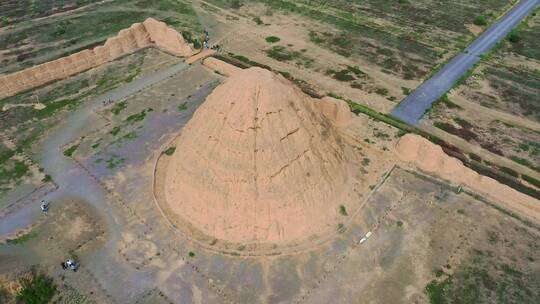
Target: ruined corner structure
{"x": 150, "y": 33}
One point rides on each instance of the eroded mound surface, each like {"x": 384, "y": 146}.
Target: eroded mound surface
{"x": 258, "y": 162}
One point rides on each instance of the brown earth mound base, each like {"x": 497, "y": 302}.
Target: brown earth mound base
{"x": 258, "y": 163}
{"x": 150, "y": 33}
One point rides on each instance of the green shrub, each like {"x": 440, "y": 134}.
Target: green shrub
{"x": 258, "y": 20}
{"x": 236, "y": 4}
{"x": 509, "y": 171}
{"x": 115, "y": 131}
{"x": 531, "y": 180}
{"x": 272, "y": 39}
{"x": 480, "y": 20}
{"x": 182, "y": 107}
{"x": 436, "y": 291}
{"x": 343, "y": 75}
{"x": 69, "y": 151}
{"x": 47, "y": 178}
{"x": 117, "y": 108}
{"x": 381, "y": 91}
{"x": 21, "y": 239}
{"x": 343, "y": 210}
{"x": 406, "y": 91}
{"x": 170, "y": 151}
{"x": 280, "y": 53}
{"x": 138, "y": 116}
{"x": 514, "y": 37}
{"x": 475, "y": 157}
{"x": 40, "y": 289}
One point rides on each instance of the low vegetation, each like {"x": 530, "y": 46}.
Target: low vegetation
{"x": 183, "y": 107}
{"x": 272, "y": 39}
{"x": 22, "y": 238}
{"x": 281, "y": 53}
{"x": 69, "y": 151}
{"x": 138, "y": 116}
{"x": 169, "y": 151}
{"x": 36, "y": 290}
{"x": 343, "y": 210}
{"x": 117, "y": 108}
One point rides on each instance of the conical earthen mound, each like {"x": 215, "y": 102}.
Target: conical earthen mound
{"x": 258, "y": 162}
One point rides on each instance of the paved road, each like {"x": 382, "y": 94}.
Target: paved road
{"x": 412, "y": 108}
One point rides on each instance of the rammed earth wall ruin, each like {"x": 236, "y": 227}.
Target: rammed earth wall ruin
{"x": 150, "y": 33}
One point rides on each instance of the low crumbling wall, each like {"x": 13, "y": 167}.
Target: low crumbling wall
{"x": 220, "y": 66}
{"x": 150, "y": 33}
{"x": 431, "y": 158}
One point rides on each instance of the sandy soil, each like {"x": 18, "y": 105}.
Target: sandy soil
{"x": 429, "y": 157}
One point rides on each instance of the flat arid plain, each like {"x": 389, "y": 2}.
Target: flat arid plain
{"x": 255, "y": 151}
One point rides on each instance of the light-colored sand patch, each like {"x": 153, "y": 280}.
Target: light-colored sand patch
{"x": 474, "y": 29}
{"x": 429, "y": 157}
{"x": 37, "y": 106}
{"x": 259, "y": 162}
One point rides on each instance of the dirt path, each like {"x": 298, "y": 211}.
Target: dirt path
{"x": 472, "y": 109}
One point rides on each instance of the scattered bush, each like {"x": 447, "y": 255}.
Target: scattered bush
{"x": 514, "y": 37}
{"x": 509, "y": 171}
{"x": 406, "y": 91}
{"x": 343, "y": 211}
{"x": 381, "y": 91}
{"x": 280, "y": 53}
{"x": 39, "y": 289}
{"x": 115, "y": 131}
{"x": 531, "y": 180}
{"x": 258, "y": 20}
{"x": 69, "y": 151}
{"x": 170, "y": 151}
{"x": 342, "y": 75}
{"x": 272, "y": 39}
{"x": 183, "y": 107}
{"x": 475, "y": 157}
{"x": 138, "y": 116}
{"x": 117, "y": 108}
{"x": 235, "y": 4}
{"x": 21, "y": 239}
{"x": 480, "y": 20}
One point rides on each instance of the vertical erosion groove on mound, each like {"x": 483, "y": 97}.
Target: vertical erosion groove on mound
{"x": 150, "y": 33}
{"x": 258, "y": 163}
